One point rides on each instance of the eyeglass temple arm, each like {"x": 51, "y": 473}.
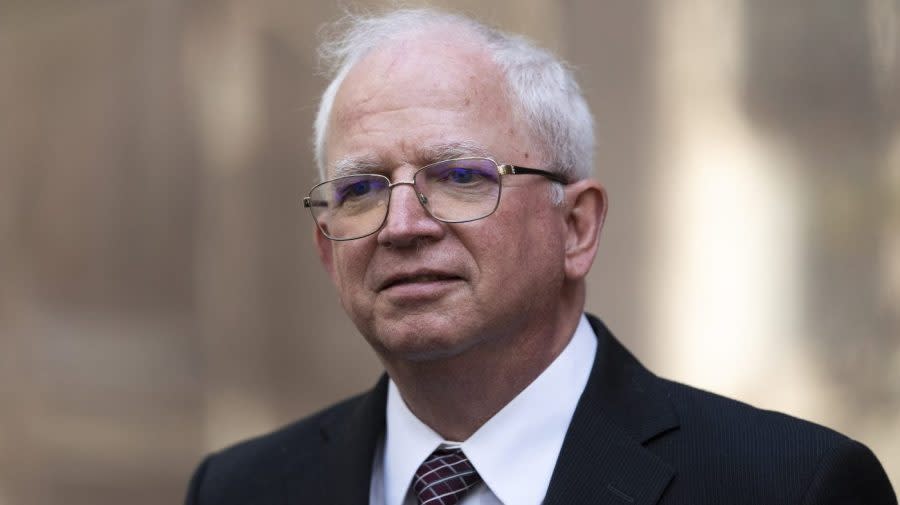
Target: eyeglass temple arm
{"x": 308, "y": 203}
{"x": 513, "y": 170}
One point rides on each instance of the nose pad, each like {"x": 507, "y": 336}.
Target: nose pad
{"x": 396, "y": 205}
{"x": 408, "y": 223}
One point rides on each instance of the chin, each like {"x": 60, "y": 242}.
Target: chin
{"x": 433, "y": 353}
{"x": 418, "y": 343}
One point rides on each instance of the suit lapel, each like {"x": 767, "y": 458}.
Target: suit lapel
{"x": 349, "y": 448}
{"x": 603, "y": 459}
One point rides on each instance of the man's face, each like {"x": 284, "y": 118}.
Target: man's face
{"x": 419, "y": 288}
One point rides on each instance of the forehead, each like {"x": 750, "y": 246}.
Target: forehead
{"x": 433, "y": 87}
{"x": 442, "y": 61}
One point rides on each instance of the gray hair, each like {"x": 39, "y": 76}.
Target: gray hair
{"x": 545, "y": 94}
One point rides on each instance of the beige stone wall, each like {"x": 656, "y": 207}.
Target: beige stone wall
{"x": 159, "y": 296}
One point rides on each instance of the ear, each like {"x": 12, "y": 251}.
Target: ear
{"x": 585, "y": 213}
{"x": 325, "y": 248}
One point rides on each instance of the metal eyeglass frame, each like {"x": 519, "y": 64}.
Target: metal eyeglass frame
{"x": 502, "y": 169}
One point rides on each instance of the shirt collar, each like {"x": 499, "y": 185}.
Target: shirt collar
{"x": 516, "y": 450}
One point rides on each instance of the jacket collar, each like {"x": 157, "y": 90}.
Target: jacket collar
{"x": 350, "y": 441}
{"x": 603, "y": 459}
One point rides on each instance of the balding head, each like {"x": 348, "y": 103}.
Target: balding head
{"x": 543, "y": 93}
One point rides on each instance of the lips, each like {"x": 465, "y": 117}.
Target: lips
{"x": 419, "y": 277}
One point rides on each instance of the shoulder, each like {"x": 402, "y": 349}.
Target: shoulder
{"x": 756, "y": 453}
{"x": 289, "y": 442}
{"x": 257, "y": 467}
{"x": 711, "y": 414}
{"x": 725, "y": 451}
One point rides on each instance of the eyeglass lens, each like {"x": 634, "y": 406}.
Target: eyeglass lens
{"x": 454, "y": 191}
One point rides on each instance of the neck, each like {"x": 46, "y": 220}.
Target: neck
{"x": 456, "y": 395}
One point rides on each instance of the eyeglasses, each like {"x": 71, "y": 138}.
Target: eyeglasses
{"x": 451, "y": 191}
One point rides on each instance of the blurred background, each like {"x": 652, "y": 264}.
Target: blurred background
{"x": 160, "y": 296}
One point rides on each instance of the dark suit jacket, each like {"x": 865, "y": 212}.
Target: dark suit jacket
{"x": 634, "y": 439}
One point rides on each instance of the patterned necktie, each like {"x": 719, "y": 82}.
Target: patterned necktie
{"x": 444, "y": 478}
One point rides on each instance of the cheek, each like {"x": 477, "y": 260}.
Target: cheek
{"x": 522, "y": 239}
{"x": 350, "y": 269}
{"x": 541, "y": 247}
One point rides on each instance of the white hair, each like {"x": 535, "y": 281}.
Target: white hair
{"x": 545, "y": 94}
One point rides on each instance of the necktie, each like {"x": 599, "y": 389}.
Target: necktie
{"x": 444, "y": 478}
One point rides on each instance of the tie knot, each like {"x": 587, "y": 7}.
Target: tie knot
{"x": 444, "y": 478}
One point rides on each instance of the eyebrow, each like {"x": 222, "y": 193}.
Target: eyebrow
{"x": 425, "y": 155}
{"x": 355, "y": 165}
{"x": 449, "y": 150}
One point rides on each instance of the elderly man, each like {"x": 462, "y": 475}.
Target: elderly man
{"x": 458, "y": 221}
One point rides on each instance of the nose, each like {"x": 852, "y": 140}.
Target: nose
{"x": 407, "y": 222}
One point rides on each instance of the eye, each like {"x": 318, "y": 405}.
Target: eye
{"x": 357, "y": 189}
{"x": 462, "y": 175}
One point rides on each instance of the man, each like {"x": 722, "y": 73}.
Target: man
{"x": 458, "y": 221}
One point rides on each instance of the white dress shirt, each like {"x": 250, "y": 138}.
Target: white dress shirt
{"x": 514, "y": 452}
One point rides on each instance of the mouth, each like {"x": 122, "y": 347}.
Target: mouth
{"x": 417, "y": 278}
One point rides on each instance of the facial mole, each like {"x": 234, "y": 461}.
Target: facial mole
{"x": 526, "y": 156}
